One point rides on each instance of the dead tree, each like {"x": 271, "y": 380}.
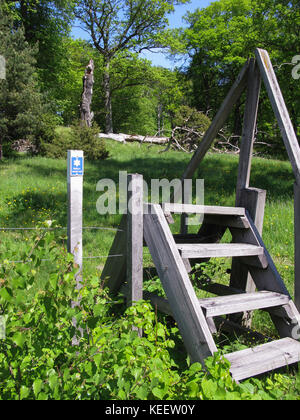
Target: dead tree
{"x": 86, "y": 115}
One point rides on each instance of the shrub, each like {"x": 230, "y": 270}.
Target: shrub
{"x": 76, "y": 137}
{"x": 189, "y": 127}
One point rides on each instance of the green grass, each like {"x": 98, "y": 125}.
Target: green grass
{"x": 35, "y": 189}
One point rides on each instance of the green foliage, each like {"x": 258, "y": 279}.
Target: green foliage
{"x": 38, "y": 360}
{"x": 21, "y": 104}
{"x": 76, "y": 137}
{"x": 221, "y": 37}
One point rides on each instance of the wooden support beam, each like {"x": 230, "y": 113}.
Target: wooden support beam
{"x": 135, "y": 238}
{"x": 218, "y": 122}
{"x": 175, "y": 280}
{"x": 249, "y": 127}
{"x": 253, "y": 200}
{"x": 280, "y": 110}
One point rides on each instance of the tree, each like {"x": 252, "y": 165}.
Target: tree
{"x": 117, "y": 26}
{"x": 222, "y": 36}
{"x": 21, "y": 103}
{"x": 46, "y": 26}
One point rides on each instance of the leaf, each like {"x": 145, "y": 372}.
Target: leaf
{"x": 53, "y": 381}
{"x": 19, "y": 339}
{"x": 24, "y": 392}
{"x": 37, "y": 386}
{"x": 142, "y": 392}
{"x": 159, "y": 392}
{"x": 6, "y": 294}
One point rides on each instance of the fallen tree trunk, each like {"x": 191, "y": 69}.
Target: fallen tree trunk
{"x": 124, "y": 138}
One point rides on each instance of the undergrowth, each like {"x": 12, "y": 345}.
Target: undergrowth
{"x": 110, "y": 361}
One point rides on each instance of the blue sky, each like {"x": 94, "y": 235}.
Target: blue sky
{"x": 176, "y": 21}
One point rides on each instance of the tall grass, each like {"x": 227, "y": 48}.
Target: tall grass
{"x": 35, "y": 189}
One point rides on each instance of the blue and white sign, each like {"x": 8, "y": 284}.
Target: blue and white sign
{"x": 76, "y": 166}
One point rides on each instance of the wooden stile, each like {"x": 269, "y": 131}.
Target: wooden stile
{"x": 180, "y": 293}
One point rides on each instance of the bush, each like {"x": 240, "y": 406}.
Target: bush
{"x": 189, "y": 127}
{"x": 76, "y": 137}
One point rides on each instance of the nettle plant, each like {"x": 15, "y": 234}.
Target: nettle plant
{"x": 39, "y": 361}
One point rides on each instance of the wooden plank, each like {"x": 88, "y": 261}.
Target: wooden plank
{"x": 219, "y": 250}
{"x": 249, "y": 127}
{"x": 297, "y": 244}
{"x": 280, "y": 110}
{"x": 178, "y": 288}
{"x": 266, "y": 357}
{"x": 218, "y": 122}
{"x": 254, "y": 201}
{"x": 224, "y": 305}
{"x": 199, "y": 209}
{"x": 114, "y": 272}
{"x": 135, "y": 238}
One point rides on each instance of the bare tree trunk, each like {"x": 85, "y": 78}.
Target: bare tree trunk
{"x": 107, "y": 98}
{"x": 86, "y": 115}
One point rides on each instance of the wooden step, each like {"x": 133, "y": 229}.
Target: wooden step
{"x": 219, "y": 250}
{"x": 264, "y": 358}
{"x": 199, "y": 209}
{"x": 224, "y": 305}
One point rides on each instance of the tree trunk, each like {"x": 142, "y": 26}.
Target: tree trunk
{"x": 86, "y": 115}
{"x": 107, "y": 98}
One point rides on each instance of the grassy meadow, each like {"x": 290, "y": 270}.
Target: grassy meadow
{"x": 35, "y": 190}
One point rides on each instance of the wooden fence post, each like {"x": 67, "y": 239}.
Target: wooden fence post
{"x": 135, "y": 239}
{"x": 75, "y": 194}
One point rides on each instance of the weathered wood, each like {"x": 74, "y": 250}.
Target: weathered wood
{"x": 75, "y": 206}
{"x": 199, "y": 209}
{"x": 224, "y": 305}
{"x": 180, "y": 293}
{"x": 249, "y": 127}
{"x": 268, "y": 279}
{"x": 280, "y": 110}
{"x": 263, "y": 358}
{"x": 254, "y": 201}
{"x": 114, "y": 272}
{"x": 218, "y": 122}
{"x": 297, "y": 244}
{"x": 86, "y": 115}
{"x": 135, "y": 238}
{"x": 219, "y": 250}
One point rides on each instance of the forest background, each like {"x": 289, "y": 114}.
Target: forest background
{"x": 45, "y": 65}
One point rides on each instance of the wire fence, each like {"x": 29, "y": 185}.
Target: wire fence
{"x": 61, "y": 228}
